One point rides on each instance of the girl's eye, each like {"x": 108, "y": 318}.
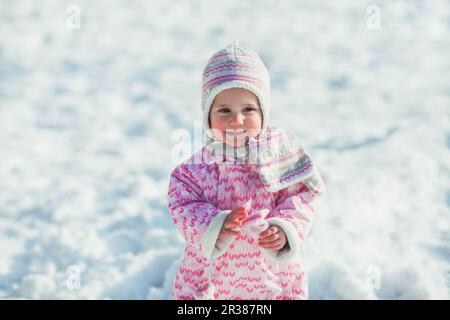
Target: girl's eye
{"x": 226, "y": 110}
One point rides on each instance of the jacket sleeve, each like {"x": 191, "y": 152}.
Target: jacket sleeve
{"x": 191, "y": 214}
{"x": 294, "y": 213}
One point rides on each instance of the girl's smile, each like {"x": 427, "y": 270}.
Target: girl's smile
{"x": 234, "y": 133}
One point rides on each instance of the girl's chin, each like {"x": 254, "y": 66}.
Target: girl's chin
{"x": 235, "y": 144}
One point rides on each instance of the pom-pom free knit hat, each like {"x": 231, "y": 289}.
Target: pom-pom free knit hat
{"x": 235, "y": 67}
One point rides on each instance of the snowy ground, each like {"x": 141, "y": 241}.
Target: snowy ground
{"x": 86, "y": 117}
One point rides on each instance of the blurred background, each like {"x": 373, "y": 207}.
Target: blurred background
{"x": 91, "y": 92}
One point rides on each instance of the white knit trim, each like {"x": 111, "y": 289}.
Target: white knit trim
{"x": 236, "y": 84}
{"x": 285, "y": 255}
{"x": 211, "y": 246}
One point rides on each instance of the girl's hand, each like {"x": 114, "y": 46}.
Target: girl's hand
{"x": 232, "y": 225}
{"x": 273, "y": 238}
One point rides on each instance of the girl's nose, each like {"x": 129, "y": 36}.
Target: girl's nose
{"x": 237, "y": 119}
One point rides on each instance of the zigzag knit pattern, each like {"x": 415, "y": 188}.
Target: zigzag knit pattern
{"x": 200, "y": 191}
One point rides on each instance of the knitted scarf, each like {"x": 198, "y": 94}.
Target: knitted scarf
{"x": 278, "y": 156}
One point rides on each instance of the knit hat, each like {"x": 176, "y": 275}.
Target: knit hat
{"x": 235, "y": 67}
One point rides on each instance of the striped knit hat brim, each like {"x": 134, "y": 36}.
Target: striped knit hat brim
{"x": 235, "y": 67}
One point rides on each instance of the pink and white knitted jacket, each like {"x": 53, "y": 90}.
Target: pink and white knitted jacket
{"x": 201, "y": 195}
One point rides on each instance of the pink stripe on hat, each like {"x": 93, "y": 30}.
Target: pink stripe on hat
{"x": 230, "y": 77}
{"x": 230, "y": 66}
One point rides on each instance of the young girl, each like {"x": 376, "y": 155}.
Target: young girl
{"x": 245, "y": 202}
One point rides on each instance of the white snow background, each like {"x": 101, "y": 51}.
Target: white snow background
{"x": 87, "y": 114}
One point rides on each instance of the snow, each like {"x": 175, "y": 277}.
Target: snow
{"x": 87, "y": 116}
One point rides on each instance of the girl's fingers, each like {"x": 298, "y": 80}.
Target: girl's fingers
{"x": 232, "y": 228}
{"x": 239, "y": 210}
{"x": 270, "y": 238}
{"x": 272, "y": 245}
{"x": 237, "y": 215}
{"x": 235, "y": 218}
{"x": 232, "y": 224}
{"x": 269, "y": 243}
{"x": 230, "y": 233}
{"x": 272, "y": 230}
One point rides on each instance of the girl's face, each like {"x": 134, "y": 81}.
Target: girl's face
{"x": 235, "y": 115}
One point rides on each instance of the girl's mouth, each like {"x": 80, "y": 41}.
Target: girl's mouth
{"x": 234, "y": 133}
